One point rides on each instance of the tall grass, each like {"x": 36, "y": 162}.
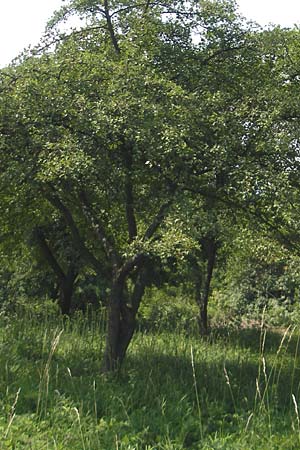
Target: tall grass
{"x": 235, "y": 390}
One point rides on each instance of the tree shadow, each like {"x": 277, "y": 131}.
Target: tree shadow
{"x": 257, "y": 340}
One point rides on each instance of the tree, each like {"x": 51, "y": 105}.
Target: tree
{"x": 98, "y": 146}
{"x": 123, "y": 111}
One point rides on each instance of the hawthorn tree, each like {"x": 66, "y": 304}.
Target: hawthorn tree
{"x": 101, "y": 136}
{"x": 110, "y": 127}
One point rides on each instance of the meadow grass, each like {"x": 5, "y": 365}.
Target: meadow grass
{"x": 238, "y": 389}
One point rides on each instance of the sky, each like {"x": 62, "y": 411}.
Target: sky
{"x": 22, "y": 22}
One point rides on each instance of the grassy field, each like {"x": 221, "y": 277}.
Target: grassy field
{"x": 236, "y": 390}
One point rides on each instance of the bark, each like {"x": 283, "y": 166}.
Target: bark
{"x": 203, "y": 285}
{"x": 67, "y": 290}
{"x": 110, "y": 359}
{"x": 158, "y": 219}
{"x": 110, "y": 28}
{"x": 128, "y": 314}
{"x": 121, "y": 314}
{"x": 121, "y": 321}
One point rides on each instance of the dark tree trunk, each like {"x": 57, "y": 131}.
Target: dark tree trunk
{"x": 127, "y": 328}
{"x": 203, "y": 284}
{"x": 66, "y": 289}
{"x": 121, "y": 321}
{"x": 66, "y": 282}
{"x": 129, "y": 312}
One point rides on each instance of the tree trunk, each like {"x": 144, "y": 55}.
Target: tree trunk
{"x": 203, "y": 288}
{"x": 121, "y": 327}
{"x": 66, "y": 289}
{"x": 110, "y": 360}
{"x": 121, "y": 322}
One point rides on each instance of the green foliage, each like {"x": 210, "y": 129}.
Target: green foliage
{"x": 168, "y": 308}
{"x": 260, "y": 277}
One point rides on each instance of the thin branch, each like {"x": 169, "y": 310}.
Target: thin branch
{"x": 146, "y": 5}
{"x": 129, "y": 198}
{"x": 220, "y": 52}
{"x": 64, "y": 37}
{"x": 126, "y": 8}
{"x": 130, "y": 215}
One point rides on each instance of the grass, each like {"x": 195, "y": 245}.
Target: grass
{"x": 238, "y": 389}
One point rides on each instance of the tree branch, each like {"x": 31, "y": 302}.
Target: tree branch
{"x": 48, "y": 255}
{"x": 38, "y": 49}
{"x": 99, "y": 230}
{"x": 111, "y": 28}
{"x": 129, "y": 200}
{"x": 78, "y": 240}
{"x": 158, "y": 219}
{"x": 279, "y": 233}
{"x": 223, "y": 51}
